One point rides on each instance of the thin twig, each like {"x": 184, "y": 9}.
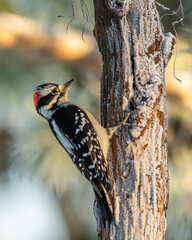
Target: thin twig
{"x": 72, "y": 17}
{"x": 87, "y": 17}
{"x": 162, "y": 6}
{"x": 85, "y": 13}
{"x": 173, "y": 24}
{"x": 181, "y": 18}
{"x": 84, "y": 30}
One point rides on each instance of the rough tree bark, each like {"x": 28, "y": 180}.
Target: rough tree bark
{"x": 135, "y": 53}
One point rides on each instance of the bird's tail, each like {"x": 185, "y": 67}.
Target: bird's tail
{"x": 103, "y": 204}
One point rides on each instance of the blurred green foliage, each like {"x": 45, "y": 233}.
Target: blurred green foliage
{"x": 47, "y": 12}
{"x": 5, "y": 6}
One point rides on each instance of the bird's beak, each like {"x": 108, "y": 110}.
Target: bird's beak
{"x": 64, "y": 89}
{"x": 67, "y": 84}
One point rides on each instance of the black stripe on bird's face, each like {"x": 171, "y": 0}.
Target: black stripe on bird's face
{"x": 46, "y": 86}
{"x": 47, "y": 101}
{"x": 48, "y": 98}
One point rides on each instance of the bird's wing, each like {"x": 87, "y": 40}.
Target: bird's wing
{"x": 75, "y": 132}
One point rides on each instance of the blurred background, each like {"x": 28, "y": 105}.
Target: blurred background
{"x": 42, "y": 195}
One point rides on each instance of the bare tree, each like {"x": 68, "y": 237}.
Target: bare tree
{"x": 135, "y": 53}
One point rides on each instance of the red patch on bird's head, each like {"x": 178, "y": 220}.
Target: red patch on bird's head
{"x": 36, "y": 97}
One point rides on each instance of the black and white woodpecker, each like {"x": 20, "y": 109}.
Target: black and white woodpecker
{"x": 83, "y": 138}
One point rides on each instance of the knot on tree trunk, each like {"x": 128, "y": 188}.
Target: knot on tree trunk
{"x": 119, "y": 7}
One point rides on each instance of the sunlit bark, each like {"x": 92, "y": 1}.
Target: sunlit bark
{"x": 135, "y": 53}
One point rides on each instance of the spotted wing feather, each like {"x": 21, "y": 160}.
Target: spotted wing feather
{"x": 76, "y": 134}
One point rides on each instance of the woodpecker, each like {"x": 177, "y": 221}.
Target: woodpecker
{"x": 82, "y": 137}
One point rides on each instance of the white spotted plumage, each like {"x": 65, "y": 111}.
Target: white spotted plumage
{"x": 84, "y": 139}
{"x": 77, "y": 130}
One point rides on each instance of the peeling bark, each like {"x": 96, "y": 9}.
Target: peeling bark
{"x": 134, "y": 53}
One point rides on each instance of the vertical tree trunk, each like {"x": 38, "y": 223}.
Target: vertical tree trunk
{"x": 135, "y": 54}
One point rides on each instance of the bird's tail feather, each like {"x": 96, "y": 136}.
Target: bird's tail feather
{"x": 103, "y": 204}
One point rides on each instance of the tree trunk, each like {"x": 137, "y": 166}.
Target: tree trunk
{"x": 135, "y": 54}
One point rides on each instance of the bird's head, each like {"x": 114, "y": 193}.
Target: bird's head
{"x": 47, "y": 97}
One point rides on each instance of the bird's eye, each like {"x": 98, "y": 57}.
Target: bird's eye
{"x": 55, "y": 91}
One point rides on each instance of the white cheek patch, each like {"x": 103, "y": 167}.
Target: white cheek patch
{"x": 46, "y": 113}
{"x": 45, "y": 91}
